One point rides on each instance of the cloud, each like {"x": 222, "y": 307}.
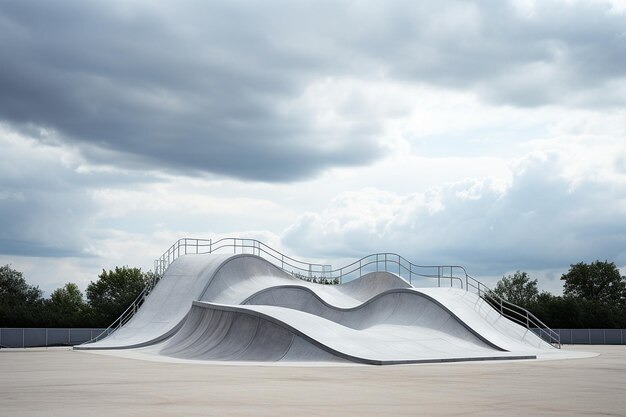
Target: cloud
{"x": 539, "y": 220}
{"x": 41, "y": 212}
{"x": 218, "y": 88}
{"x": 46, "y": 207}
{"x": 131, "y": 85}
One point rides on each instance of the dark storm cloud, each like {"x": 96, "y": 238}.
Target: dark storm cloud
{"x": 42, "y": 215}
{"x": 203, "y": 86}
{"x": 195, "y": 94}
{"x": 47, "y": 208}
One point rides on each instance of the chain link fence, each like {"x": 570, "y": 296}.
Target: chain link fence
{"x": 42, "y": 337}
{"x": 592, "y": 336}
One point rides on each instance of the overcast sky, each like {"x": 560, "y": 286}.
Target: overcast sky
{"x": 488, "y": 134}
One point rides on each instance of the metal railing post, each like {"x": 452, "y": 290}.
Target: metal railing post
{"x": 410, "y": 273}
{"x": 399, "y": 270}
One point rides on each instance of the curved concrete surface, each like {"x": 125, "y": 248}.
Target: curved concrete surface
{"x": 243, "y": 308}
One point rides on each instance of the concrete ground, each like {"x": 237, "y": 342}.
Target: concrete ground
{"x": 61, "y": 382}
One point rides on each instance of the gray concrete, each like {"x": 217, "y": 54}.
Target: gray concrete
{"x": 71, "y": 383}
{"x": 243, "y": 308}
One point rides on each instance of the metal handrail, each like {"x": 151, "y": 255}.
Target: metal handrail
{"x": 514, "y": 312}
{"x": 325, "y": 274}
{"x": 127, "y": 314}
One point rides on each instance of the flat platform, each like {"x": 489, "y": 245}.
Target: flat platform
{"x": 61, "y": 382}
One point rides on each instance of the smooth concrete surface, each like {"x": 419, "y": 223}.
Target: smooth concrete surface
{"x": 58, "y": 382}
{"x": 254, "y": 311}
{"x": 266, "y": 333}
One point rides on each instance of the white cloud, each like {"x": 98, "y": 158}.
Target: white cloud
{"x": 539, "y": 221}
{"x": 491, "y": 134}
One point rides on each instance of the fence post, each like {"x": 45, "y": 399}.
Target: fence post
{"x": 23, "y": 345}
{"x": 46, "y": 337}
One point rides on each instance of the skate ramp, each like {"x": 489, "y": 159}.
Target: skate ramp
{"x": 243, "y": 308}
{"x": 164, "y": 310}
{"x": 268, "y": 333}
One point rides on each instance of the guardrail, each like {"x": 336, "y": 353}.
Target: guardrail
{"x": 514, "y": 312}
{"x": 445, "y": 275}
{"x": 128, "y": 313}
{"x": 322, "y": 273}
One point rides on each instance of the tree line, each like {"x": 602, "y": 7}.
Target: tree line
{"x": 594, "y": 296}
{"x": 23, "y": 305}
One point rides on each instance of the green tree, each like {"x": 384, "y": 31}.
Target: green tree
{"x": 568, "y": 312}
{"x": 518, "y": 289}
{"x": 67, "y": 307}
{"x": 114, "y": 292}
{"x": 21, "y": 305}
{"x": 599, "y": 282}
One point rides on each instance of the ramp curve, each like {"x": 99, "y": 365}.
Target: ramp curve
{"x": 244, "y": 308}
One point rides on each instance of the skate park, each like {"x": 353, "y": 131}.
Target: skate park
{"x": 233, "y": 327}
{"x": 239, "y": 300}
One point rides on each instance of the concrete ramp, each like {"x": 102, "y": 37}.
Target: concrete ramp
{"x": 268, "y": 333}
{"x": 243, "y": 308}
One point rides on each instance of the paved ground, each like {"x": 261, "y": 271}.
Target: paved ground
{"x": 57, "y": 382}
